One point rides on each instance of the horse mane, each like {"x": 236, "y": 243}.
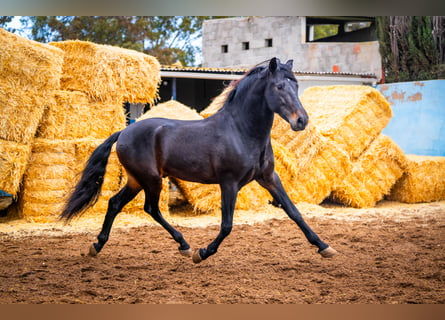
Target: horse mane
{"x": 245, "y": 82}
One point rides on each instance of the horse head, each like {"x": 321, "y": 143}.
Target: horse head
{"x": 281, "y": 94}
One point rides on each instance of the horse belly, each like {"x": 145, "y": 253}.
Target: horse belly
{"x": 189, "y": 170}
{"x": 186, "y": 162}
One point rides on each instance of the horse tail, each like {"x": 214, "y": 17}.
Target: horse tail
{"x": 87, "y": 191}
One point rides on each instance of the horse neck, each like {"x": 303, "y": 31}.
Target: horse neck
{"x": 252, "y": 116}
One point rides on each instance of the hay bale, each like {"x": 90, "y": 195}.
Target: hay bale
{"x": 318, "y": 162}
{"x": 71, "y": 116}
{"x": 372, "y": 175}
{"x": 20, "y": 113}
{"x": 29, "y": 71}
{"x": 49, "y": 177}
{"x": 171, "y": 109}
{"x": 29, "y": 65}
{"x": 105, "y": 72}
{"x": 423, "y": 180}
{"x": 83, "y": 150}
{"x": 304, "y": 145}
{"x": 53, "y": 170}
{"x": 13, "y": 160}
{"x": 217, "y": 103}
{"x": 352, "y": 116}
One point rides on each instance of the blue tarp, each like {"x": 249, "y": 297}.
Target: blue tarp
{"x": 4, "y": 194}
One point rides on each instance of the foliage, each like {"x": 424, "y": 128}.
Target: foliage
{"x": 4, "y": 21}
{"x": 325, "y": 30}
{"x": 170, "y": 39}
{"x": 412, "y": 48}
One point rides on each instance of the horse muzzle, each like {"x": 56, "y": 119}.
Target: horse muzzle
{"x": 298, "y": 123}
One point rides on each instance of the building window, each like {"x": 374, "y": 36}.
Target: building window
{"x": 268, "y": 43}
{"x": 245, "y": 46}
{"x": 224, "y": 48}
{"x": 340, "y": 30}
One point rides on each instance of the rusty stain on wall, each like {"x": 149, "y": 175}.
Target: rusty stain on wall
{"x": 415, "y": 97}
{"x": 418, "y": 122}
{"x": 398, "y": 96}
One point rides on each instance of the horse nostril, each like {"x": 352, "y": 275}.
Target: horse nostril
{"x": 302, "y": 122}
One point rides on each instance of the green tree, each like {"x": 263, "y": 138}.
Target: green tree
{"x": 4, "y": 22}
{"x": 412, "y": 48}
{"x": 170, "y": 39}
{"x": 325, "y": 30}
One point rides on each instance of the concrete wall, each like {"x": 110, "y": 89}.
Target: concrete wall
{"x": 288, "y": 37}
{"x": 418, "y": 123}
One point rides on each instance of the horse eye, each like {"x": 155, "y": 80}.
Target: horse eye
{"x": 280, "y": 86}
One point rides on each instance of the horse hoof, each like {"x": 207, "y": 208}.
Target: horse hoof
{"x": 328, "y": 252}
{"x": 93, "y": 251}
{"x": 196, "y": 257}
{"x": 186, "y": 252}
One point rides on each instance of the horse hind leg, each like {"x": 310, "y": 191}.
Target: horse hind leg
{"x": 151, "y": 206}
{"x": 115, "y": 205}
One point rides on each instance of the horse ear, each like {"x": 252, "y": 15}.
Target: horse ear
{"x": 290, "y": 64}
{"x": 273, "y": 65}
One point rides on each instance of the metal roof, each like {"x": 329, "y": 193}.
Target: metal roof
{"x": 192, "y": 72}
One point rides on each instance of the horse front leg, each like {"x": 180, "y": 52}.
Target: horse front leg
{"x": 276, "y": 189}
{"x": 228, "y": 199}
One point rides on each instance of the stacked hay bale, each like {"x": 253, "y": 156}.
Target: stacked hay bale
{"x": 422, "y": 181}
{"x": 320, "y": 164}
{"x": 30, "y": 73}
{"x": 105, "y": 72}
{"x": 87, "y": 109}
{"x": 352, "y": 118}
{"x": 48, "y": 177}
{"x": 373, "y": 174}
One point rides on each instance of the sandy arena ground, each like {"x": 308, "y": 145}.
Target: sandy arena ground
{"x": 393, "y": 253}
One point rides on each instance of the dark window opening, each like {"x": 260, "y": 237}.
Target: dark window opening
{"x": 224, "y": 48}
{"x": 268, "y": 43}
{"x": 245, "y": 45}
{"x": 340, "y": 29}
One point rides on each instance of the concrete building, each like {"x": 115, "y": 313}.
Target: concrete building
{"x": 246, "y": 41}
{"x": 232, "y": 46}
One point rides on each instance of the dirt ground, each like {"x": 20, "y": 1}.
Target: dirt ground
{"x": 393, "y": 253}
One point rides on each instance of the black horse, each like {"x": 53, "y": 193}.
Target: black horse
{"x": 230, "y": 148}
